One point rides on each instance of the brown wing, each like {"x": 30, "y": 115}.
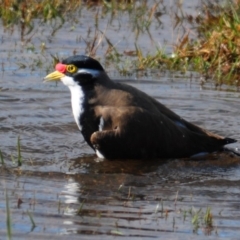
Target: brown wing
{"x": 169, "y": 113}
{"x": 125, "y": 95}
{"x": 132, "y": 132}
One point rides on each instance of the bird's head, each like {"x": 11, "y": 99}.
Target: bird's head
{"x": 76, "y": 70}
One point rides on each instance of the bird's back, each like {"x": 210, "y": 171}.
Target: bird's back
{"x": 168, "y": 134}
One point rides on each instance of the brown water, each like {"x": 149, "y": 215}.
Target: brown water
{"x": 71, "y": 194}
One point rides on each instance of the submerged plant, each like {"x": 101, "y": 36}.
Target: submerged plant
{"x": 79, "y": 211}
{"x": 8, "y": 218}
{"x": 216, "y": 52}
{"x": 195, "y": 221}
{"x": 201, "y": 219}
{"x": 1, "y": 158}
{"x": 15, "y": 159}
{"x": 19, "y": 156}
{"x": 208, "y": 218}
{"x": 213, "y": 50}
{"x": 31, "y": 219}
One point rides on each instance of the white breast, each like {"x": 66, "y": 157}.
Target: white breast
{"x": 78, "y": 94}
{"x": 77, "y": 97}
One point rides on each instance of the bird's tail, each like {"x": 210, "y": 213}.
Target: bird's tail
{"x": 229, "y": 140}
{"x": 235, "y": 151}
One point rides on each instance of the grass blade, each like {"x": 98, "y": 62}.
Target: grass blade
{"x": 31, "y": 219}
{"x": 19, "y": 157}
{"x": 81, "y": 207}
{"x": 1, "y": 158}
{"x": 8, "y": 219}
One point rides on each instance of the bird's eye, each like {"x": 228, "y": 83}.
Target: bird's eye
{"x": 71, "y": 68}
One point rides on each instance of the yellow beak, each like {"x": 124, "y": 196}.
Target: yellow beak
{"x": 54, "y": 76}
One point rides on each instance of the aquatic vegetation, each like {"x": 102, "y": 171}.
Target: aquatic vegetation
{"x": 201, "y": 219}
{"x": 79, "y": 211}
{"x": 8, "y": 218}
{"x": 208, "y": 218}
{"x": 196, "y": 221}
{"x": 1, "y": 158}
{"x": 32, "y": 220}
{"x": 13, "y": 12}
{"x": 19, "y": 156}
{"x": 216, "y": 51}
{"x": 13, "y": 157}
{"x": 22, "y": 13}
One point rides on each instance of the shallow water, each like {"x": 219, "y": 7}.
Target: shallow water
{"x": 72, "y": 194}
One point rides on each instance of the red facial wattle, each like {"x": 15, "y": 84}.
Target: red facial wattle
{"x": 61, "y": 67}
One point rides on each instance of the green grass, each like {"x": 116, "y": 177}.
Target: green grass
{"x": 15, "y": 159}
{"x": 79, "y": 211}
{"x": 201, "y": 219}
{"x": 208, "y": 218}
{"x": 213, "y": 51}
{"x": 1, "y": 158}
{"x": 216, "y": 52}
{"x": 19, "y": 156}
{"x": 8, "y": 218}
{"x": 22, "y": 13}
{"x": 32, "y": 220}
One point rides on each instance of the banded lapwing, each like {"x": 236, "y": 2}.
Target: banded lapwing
{"x": 121, "y": 122}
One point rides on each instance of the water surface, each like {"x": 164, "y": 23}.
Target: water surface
{"x": 71, "y": 193}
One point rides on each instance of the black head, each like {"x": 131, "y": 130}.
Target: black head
{"x": 81, "y": 61}
{"x": 78, "y": 69}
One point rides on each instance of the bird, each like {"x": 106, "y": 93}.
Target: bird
{"x": 119, "y": 121}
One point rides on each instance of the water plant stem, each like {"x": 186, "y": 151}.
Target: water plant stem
{"x": 8, "y": 218}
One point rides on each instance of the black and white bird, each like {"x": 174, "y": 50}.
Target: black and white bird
{"x": 121, "y": 122}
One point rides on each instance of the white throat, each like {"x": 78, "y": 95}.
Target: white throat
{"x": 77, "y": 98}
{"x": 77, "y": 93}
